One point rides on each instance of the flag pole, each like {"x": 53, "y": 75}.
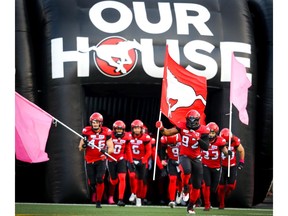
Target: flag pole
{"x": 73, "y": 131}
{"x": 156, "y": 148}
{"x": 230, "y": 132}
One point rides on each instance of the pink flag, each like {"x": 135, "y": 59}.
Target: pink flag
{"x": 32, "y": 125}
{"x": 181, "y": 91}
{"x": 239, "y": 89}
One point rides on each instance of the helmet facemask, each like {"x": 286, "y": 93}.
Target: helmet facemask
{"x": 96, "y": 125}
{"x": 212, "y": 135}
{"x": 192, "y": 123}
{"x": 118, "y": 132}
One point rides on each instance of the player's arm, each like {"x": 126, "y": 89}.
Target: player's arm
{"x": 241, "y": 152}
{"x": 165, "y": 131}
{"x": 82, "y": 144}
{"x": 204, "y": 142}
{"x": 128, "y": 152}
{"x": 110, "y": 146}
{"x": 148, "y": 152}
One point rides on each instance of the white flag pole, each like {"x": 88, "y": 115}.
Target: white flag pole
{"x": 89, "y": 143}
{"x": 156, "y": 149}
{"x": 230, "y": 132}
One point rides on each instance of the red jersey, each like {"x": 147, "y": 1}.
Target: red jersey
{"x": 172, "y": 144}
{"x": 235, "y": 142}
{"x": 153, "y": 151}
{"x": 189, "y": 144}
{"x": 122, "y": 148}
{"x": 92, "y": 154}
{"x": 212, "y": 157}
{"x": 141, "y": 147}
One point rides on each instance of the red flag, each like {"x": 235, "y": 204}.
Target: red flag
{"x": 239, "y": 89}
{"x": 32, "y": 125}
{"x": 181, "y": 91}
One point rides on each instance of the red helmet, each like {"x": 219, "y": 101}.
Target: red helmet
{"x": 192, "y": 119}
{"x": 225, "y": 134}
{"x": 96, "y": 117}
{"x": 120, "y": 125}
{"x": 137, "y": 123}
{"x": 213, "y": 127}
{"x": 193, "y": 113}
{"x": 145, "y": 129}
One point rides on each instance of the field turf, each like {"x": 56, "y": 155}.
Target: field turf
{"x": 33, "y": 209}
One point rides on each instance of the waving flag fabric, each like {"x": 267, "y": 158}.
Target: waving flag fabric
{"x": 181, "y": 91}
{"x": 239, "y": 89}
{"x": 32, "y": 125}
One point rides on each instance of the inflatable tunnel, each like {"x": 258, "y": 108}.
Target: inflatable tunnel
{"x": 75, "y": 57}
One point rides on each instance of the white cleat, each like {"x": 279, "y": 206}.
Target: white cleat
{"x": 132, "y": 197}
{"x": 178, "y": 198}
{"x": 138, "y": 202}
{"x": 172, "y": 204}
{"x": 185, "y": 197}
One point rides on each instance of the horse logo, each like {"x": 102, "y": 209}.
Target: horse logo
{"x": 183, "y": 95}
{"x": 115, "y": 56}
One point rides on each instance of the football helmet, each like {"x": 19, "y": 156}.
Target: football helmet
{"x": 145, "y": 129}
{"x": 119, "y": 125}
{"x": 137, "y": 123}
{"x": 96, "y": 117}
{"x": 225, "y": 134}
{"x": 192, "y": 119}
{"x": 213, "y": 127}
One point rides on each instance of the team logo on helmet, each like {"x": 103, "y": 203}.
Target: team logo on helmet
{"x": 115, "y": 56}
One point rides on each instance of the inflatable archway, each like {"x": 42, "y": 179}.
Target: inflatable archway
{"x": 64, "y": 63}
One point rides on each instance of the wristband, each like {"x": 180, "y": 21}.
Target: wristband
{"x": 241, "y": 161}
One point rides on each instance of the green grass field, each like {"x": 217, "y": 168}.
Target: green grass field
{"x": 32, "y": 209}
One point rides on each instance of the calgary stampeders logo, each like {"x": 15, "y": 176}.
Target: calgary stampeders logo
{"x": 115, "y": 56}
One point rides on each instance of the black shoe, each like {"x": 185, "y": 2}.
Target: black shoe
{"x": 98, "y": 205}
{"x": 190, "y": 208}
{"x": 121, "y": 203}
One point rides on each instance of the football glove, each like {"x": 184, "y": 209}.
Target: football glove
{"x": 240, "y": 165}
{"x": 159, "y": 125}
{"x": 85, "y": 142}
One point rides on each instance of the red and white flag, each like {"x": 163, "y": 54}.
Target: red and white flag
{"x": 32, "y": 125}
{"x": 181, "y": 91}
{"x": 239, "y": 89}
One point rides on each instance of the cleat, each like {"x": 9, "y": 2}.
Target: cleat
{"x": 98, "y": 204}
{"x": 178, "y": 197}
{"x": 206, "y": 209}
{"x": 111, "y": 200}
{"x": 185, "y": 193}
{"x": 185, "y": 197}
{"x": 190, "y": 208}
{"x": 132, "y": 197}
{"x": 138, "y": 202}
{"x": 121, "y": 203}
{"x": 198, "y": 202}
{"x": 172, "y": 204}
{"x": 183, "y": 203}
